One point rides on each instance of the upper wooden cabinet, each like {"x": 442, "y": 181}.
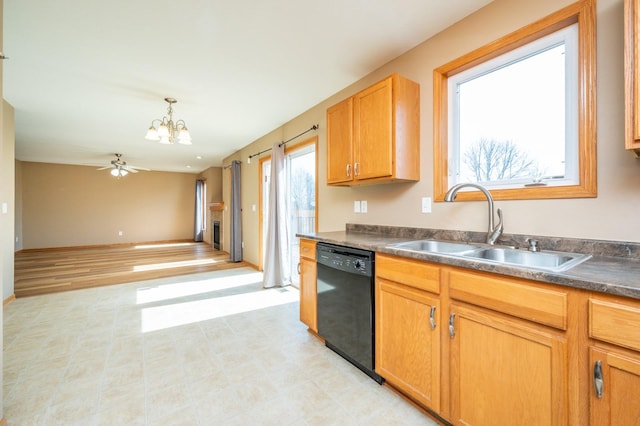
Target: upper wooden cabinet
{"x": 631, "y": 77}
{"x": 374, "y": 136}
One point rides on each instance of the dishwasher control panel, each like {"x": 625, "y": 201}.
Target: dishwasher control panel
{"x": 346, "y": 259}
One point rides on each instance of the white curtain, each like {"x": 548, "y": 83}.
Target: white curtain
{"x": 277, "y": 268}
{"x": 199, "y": 213}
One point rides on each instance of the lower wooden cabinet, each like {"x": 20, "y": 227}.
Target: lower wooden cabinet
{"x": 615, "y": 399}
{"x": 614, "y": 361}
{"x": 505, "y": 371}
{"x": 308, "y": 287}
{"x": 485, "y": 349}
{"x": 408, "y": 340}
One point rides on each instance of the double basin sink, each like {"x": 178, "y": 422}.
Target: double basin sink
{"x": 509, "y": 256}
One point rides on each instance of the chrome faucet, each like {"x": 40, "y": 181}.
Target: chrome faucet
{"x": 494, "y": 232}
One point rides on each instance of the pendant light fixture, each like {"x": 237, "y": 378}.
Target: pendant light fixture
{"x": 169, "y": 131}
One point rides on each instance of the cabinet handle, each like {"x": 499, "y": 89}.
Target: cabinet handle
{"x": 598, "y": 381}
{"x": 452, "y": 330}
{"x": 432, "y": 318}
{"x": 299, "y": 263}
{"x": 348, "y": 169}
{"x": 356, "y": 169}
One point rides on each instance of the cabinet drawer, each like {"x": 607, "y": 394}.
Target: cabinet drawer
{"x": 510, "y": 296}
{"x": 409, "y": 272}
{"x": 308, "y": 249}
{"x": 615, "y": 323}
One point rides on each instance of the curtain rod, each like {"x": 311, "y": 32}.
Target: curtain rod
{"x": 230, "y": 164}
{"x": 314, "y": 127}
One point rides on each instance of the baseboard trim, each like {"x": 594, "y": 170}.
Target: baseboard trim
{"x": 93, "y": 246}
{"x": 251, "y": 265}
{"x": 6, "y": 302}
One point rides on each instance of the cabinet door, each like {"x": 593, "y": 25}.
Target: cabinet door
{"x": 632, "y": 75}
{"x": 308, "y": 295}
{"x": 373, "y": 131}
{"x": 407, "y": 341}
{"x": 617, "y": 404}
{"x": 340, "y": 142}
{"x": 505, "y": 371}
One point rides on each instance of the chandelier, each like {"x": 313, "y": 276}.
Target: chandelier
{"x": 169, "y": 131}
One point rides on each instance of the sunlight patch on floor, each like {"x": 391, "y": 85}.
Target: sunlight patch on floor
{"x": 167, "y": 316}
{"x": 162, "y": 245}
{"x": 168, "y": 265}
{"x": 193, "y": 287}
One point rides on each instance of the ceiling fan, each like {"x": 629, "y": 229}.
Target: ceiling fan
{"x": 119, "y": 167}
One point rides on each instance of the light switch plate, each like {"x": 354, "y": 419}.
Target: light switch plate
{"x": 356, "y": 206}
{"x": 363, "y": 206}
{"x": 426, "y": 204}
{"x": 5, "y": 208}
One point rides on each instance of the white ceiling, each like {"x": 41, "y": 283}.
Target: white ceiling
{"x": 86, "y": 77}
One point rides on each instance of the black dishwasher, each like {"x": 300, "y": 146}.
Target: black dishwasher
{"x": 346, "y": 304}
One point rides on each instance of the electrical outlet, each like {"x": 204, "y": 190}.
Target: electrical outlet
{"x": 363, "y": 206}
{"x": 120, "y": 233}
{"x": 356, "y": 207}
{"x": 426, "y": 204}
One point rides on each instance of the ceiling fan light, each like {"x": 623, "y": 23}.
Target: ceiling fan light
{"x": 152, "y": 134}
{"x": 114, "y": 172}
{"x": 123, "y": 172}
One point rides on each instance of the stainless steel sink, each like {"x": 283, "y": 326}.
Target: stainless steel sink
{"x": 554, "y": 261}
{"x": 546, "y": 260}
{"x": 435, "y": 246}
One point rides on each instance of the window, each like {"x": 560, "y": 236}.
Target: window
{"x": 518, "y": 115}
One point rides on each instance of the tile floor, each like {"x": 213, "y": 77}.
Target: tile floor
{"x": 206, "y": 349}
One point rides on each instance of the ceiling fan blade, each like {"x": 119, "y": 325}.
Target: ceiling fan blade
{"x": 140, "y": 168}
{"x": 105, "y": 168}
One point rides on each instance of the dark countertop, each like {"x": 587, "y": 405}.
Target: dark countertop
{"x": 614, "y": 267}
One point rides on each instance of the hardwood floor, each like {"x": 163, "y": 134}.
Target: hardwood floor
{"x": 55, "y": 270}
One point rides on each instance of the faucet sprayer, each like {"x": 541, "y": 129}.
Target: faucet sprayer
{"x": 494, "y": 232}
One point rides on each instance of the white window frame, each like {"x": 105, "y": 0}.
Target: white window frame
{"x": 567, "y": 36}
{"x": 583, "y": 13}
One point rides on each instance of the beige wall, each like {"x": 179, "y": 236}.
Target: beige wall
{"x": 7, "y": 197}
{"x": 610, "y": 216}
{"x": 65, "y": 205}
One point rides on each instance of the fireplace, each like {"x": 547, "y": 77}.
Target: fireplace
{"x": 216, "y": 234}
